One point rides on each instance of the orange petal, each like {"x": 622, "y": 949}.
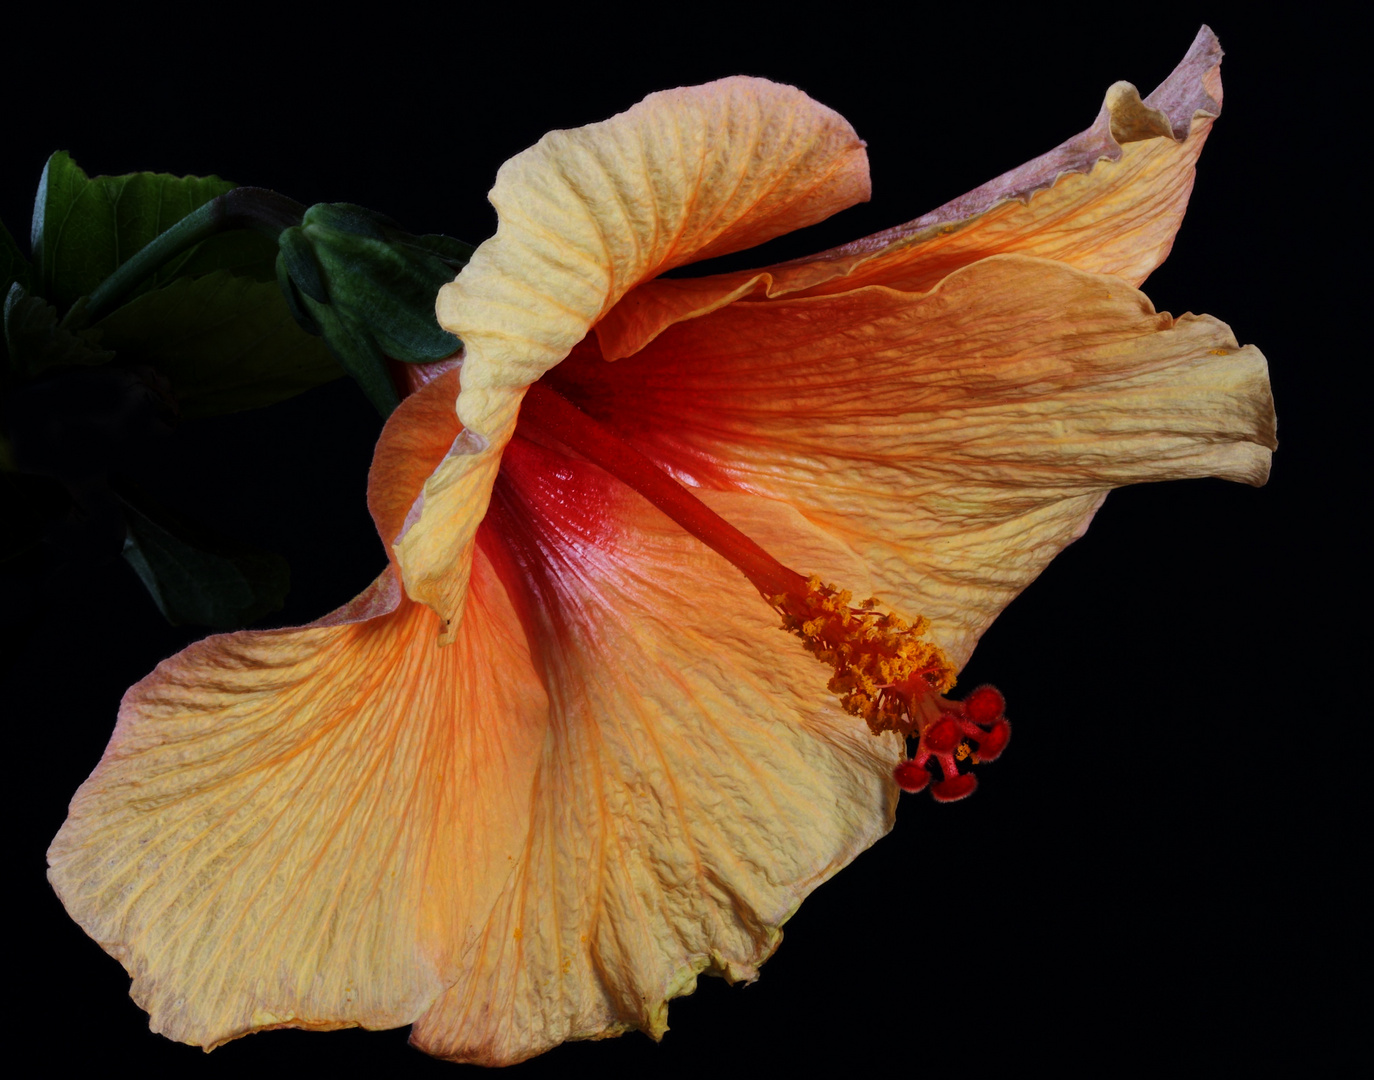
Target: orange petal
{"x": 423, "y": 435}
{"x": 415, "y": 440}
{"x": 954, "y": 440}
{"x": 587, "y": 214}
{"x": 302, "y": 827}
{"x": 699, "y": 780}
{"x": 1109, "y": 200}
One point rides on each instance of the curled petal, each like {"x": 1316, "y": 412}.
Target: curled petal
{"x": 587, "y": 214}
{"x": 955, "y": 440}
{"x": 420, "y": 433}
{"x": 584, "y": 216}
{"x": 434, "y": 564}
{"x": 1109, "y": 200}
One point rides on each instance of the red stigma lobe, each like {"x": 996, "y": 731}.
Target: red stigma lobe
{"x": 945, "y": 737}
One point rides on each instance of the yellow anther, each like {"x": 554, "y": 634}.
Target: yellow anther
{"x": 882, "y": 663}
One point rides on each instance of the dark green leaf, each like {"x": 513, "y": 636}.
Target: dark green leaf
{"x": 357, "y": 352}
{"x": 378, "y": 278}
{"x": 349, "y": 219}
{"x": 225, "y": 343}
{"x": 295, "y": 303}
{"x": 368, "y": 288}
{"x": 84, "y": 228}
{"x": 297, "y": 256}
{"x": 454, "y": 253}
{"x": 35, "y": 341}
{"x": 391, "y": 292}
{"x": 240, "y": 251}
{"x": 194, "y": 578}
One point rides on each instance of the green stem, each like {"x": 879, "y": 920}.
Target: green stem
{"x": 242, "y": 208}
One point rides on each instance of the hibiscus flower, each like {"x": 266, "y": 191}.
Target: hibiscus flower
{"x": 559, "y": 759}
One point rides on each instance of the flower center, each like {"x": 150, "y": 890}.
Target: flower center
{"x": 885, "y": 672}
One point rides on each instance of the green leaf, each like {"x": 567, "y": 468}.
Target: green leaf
{"x": 84, "y": 228}
{"x": 298, "y": 258}
{"x": 226, "y": 343}
{"x": 390, "y": 292}
{"x": 454, "y": 253}
{"x": 195, "y": 578}
{"x": 240, "y": 251}
{"x": 36, "y": 341}
{"x": 381, "y": 280}
{"x": 357, "y": 352}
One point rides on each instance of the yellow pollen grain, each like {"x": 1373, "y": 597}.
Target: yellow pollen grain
{"x": 881, "y": 661}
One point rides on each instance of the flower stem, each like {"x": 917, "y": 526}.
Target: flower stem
{"x": 558, "y": 416}
{"x": 242, "y": 208}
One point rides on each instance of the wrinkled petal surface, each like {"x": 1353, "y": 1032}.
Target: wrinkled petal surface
{"x": 587, "y": 214}
{"x": 558, "y": 760}
{"x": 295, "y": 828}
{"x": 300, "y": 827}
{"x": 584, "y": 216}
{"x": 954, "y": 440}
{"x": 619, "y": 775}
{"x": 1109, "y": 200}
{"x": 697, "y": 783}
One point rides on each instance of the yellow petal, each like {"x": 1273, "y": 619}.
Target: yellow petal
{"x": 302, "y": 827}
{"x": 699, "y": 780}
{"x": 954, "y": 440}
{"x": 587, "y": 214}
{"x": 1109, "y": 200}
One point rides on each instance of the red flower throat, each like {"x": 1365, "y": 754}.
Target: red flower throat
{"x": 884, "y": 669}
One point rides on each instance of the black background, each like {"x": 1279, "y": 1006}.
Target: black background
{"x": 1158, "y": 870}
